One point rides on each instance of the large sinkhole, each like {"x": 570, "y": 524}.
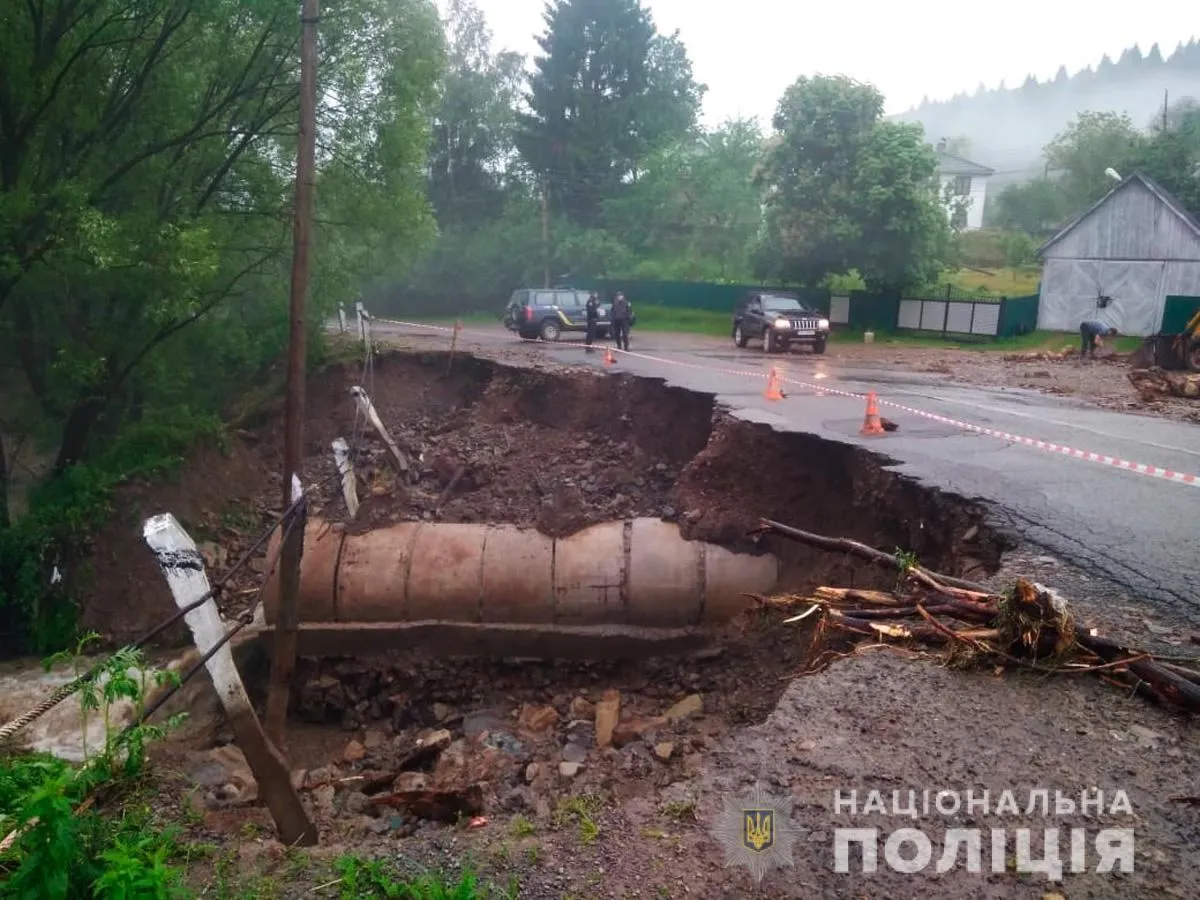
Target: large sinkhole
{"x": 560, "y": 451}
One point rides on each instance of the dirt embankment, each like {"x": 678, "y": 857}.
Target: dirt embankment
{"x": 557, "y": 451}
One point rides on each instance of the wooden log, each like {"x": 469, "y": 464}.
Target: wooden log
{"x": 1171, "y": 687}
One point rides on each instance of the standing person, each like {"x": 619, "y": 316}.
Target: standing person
{"x": 592, "y": 310}
{"x": 1090, "y": 334}
{"x": 622, "y": 314}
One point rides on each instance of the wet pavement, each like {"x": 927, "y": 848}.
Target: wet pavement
{"x": 1134, "y": 531}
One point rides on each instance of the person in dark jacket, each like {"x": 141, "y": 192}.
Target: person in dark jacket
{"x": 622, "y": 318}
{"x": 1090, "y": 334}
{"x": 592, "y": 311}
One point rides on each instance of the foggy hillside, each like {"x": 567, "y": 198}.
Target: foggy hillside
{"x": 1007, "y": 128}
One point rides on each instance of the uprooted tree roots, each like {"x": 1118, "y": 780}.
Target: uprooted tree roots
{"x": 1028, "y": 627}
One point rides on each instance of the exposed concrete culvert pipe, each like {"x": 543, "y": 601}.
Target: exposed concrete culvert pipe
{"x": 637, "y": 577}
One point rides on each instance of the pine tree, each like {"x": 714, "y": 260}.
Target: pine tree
{"x": 607, "y": 92}
{"x": 1154, "y": 57}
{"x": 1061, "y": 77}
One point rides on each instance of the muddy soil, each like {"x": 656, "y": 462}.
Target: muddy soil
{"x": 563, "y": 813}
{"x": 553, "y": 450}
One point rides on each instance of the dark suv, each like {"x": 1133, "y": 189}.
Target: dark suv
{"x": 548, "y": 313}
{"x": 778, "y": 319}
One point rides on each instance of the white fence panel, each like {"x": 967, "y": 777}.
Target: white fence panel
{"x": 958, "y": 317}
{"x": 910, "y": 314}
{"x": 839, "y": 310}
{"x": 933, "y": 315}
{"x": 987, "y": 319}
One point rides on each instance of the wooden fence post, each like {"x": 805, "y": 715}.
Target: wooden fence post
{"x": 183, "y": 567}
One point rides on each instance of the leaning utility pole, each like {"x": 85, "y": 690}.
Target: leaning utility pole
{"x": 283, "y": 660}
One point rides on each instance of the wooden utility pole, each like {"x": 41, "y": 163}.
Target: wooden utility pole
{"x": 283, "y": 661}
{"x": 545, "y": 236}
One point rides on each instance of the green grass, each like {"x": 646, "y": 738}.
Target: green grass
{"x": 651, "y": 317}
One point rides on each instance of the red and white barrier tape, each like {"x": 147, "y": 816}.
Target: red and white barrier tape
{"x": 1059, "y": 449}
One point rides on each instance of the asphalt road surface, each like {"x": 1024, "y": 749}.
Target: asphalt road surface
{"x": 1137, "y": 532}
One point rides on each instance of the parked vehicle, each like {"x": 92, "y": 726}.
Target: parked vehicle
{"x": 779, "y": 320}
{"x": 550, "y": 313}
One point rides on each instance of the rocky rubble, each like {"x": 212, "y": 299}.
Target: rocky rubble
{"x": 408, "y": 763}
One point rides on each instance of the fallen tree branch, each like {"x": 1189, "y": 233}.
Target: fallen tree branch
{"x": 844, "y": 545}
{"x": 1030, "y": 628}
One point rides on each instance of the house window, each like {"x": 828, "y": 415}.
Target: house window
{"x": 962, "y": 185}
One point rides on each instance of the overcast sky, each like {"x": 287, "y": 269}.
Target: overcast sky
{"x": 748, "y": 51}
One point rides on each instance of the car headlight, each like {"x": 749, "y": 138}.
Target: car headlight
{"x": 823, "y": 324}
{"x": 782, "y": 324}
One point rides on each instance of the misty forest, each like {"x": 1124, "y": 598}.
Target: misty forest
{"x": 147, "y": 159}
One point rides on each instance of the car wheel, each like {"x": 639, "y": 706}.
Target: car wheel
{"x": 739, "y": 337}
{"x": 602, "y": 334}
{"x": 819, "y": 347}
{"x": 550, "y": 331}
{"x": 769, "y": 345}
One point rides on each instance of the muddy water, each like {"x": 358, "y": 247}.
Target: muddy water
{"x": 65, "y": 731}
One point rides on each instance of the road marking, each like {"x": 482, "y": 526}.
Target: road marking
{"x": 1046, "y": 446}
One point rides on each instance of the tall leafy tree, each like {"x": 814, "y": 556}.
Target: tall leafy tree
{"x": 607, "y": 92}
{"x": 695, "y": 210}
{"x": 1093, "y": 143}
{"x": 146, "y": 157}
{"x": 473, "y": 122}
{"x": 848, "y": 191}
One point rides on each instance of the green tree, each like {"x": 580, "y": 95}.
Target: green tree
{"x": 1092, "y": 144}
{"x": 695, "y": 209}
{"x": 606, "y": 93}
{"x": 473, "y": 122}
{"x": 145, "y": 184}
{"x": 1171, "y": 156}
{"x": 1036, "y": 207}
{"x": 846, "y": 190}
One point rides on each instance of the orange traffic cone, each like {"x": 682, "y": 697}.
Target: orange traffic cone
{"x": 773, "y": 392}
{"x": 871, "y": 424}
{"x": 609, "y": 360}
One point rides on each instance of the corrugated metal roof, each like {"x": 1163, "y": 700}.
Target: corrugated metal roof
{"x": 949, "y": 164}
{"x": 1151, "y": 185}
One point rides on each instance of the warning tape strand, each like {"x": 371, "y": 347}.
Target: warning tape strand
{"x": 1046, "y": 446}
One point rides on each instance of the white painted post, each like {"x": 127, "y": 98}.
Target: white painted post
{"x": 341, "y": 319}
{"x": 368, "y": 410}
{"x": 183, "y": 567}
{"x": 341, "y": 455}
{"x": 359, "y": 312}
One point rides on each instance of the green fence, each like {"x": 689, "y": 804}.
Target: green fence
{"x": 693, "y": 294}
{"x": 873, "y": 312}
{"x": 865, "y": 311}
{"x": 1177, "y": 312}
{"x": 1018, "y": 315}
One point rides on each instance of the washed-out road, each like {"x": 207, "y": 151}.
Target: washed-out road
{"x": 1136, "y": 532}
